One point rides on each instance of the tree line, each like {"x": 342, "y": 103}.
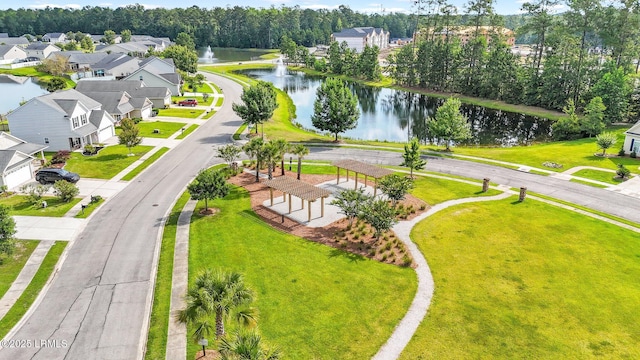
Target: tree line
{"x": 241, "y": 27}
{"x": 589, "y": 52}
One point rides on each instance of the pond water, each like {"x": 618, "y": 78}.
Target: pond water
{"x": 214, "y": 55}
{"x": 394, "y": 115}
{"x": 15, "y": 89}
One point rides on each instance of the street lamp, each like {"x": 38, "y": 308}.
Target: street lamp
{"x": 204, "y": 342}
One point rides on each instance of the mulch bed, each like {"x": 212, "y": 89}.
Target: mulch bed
{"x": 358, "y": 239}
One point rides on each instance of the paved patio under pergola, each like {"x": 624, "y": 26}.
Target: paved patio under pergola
{"x": 359, "y": 167}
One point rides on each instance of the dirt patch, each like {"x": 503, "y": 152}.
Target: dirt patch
{"x": 211, "y": 355}
{"x": 208, "y": 211}
{"x": 357, "y": 239}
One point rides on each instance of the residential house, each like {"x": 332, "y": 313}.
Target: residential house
{"x": 11, "y": 53}
{"x": 17, "y": 159}
{"x": 158, "y": 44}
{"x": 359, "y": 37}
{"x": 54, "y": 37}
{"x": 157, "y": 72}
{"x": 19, "y": 41}
{"x": 632, "y": 139}
{"x": 160, "y": 97}
{"x": 121, "y": 105}
{"x": 466, "y": 33}
{"x": 63, "y": 120}
{"x": 79, "y": 62}
{"x": 98, "y": 39}
{"x": 116, "y": 66}
{"x": 41, "y": 50}
{"x": 137, "y": 49}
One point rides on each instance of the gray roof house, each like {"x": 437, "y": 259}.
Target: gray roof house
{"x": 20, "y": 41}
{"x": 121, "y": 105}
{"x": 357, "y": 38}
{"x": 54, "y": 37}
{"x": 63, "y": 120}
{"x": 41, "y": 50}
{"x": 632, "y": 139}
{"x": 158, "y": 73}
{"x": 10, "y": 53}
{"x": 160, "y": 97}
{"x": 115, "y": 65}
{"x": 17, "y": 160}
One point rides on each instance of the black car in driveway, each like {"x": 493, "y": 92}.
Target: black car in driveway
{"x": 51, "y": 175}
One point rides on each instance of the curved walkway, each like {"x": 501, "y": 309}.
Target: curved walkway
{"x": 418, "y": 309}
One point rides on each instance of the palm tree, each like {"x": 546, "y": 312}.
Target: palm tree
{"x": 215, "y": 293}
{"x": 253, "y": 149}
{"x": 300, "y": 151}
{"x": 282, "y": 147}
{"x": 247, "y": 346}
{"x": 270, "y": 155}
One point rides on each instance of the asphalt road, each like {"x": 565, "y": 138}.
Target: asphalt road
{"x": 99, "y": 302}
{"x": 97, "y": 307}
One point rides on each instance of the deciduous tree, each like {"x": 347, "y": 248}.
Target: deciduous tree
{"x": 129, "y": 136}
{"x": 449, "y": 124}
{"x": 259, "y": 103}
{"x": 7, "y": 231}
{"x": 208, "y": 185}
{"x": 336, "y": 108}
{"x": 411, "y": 156}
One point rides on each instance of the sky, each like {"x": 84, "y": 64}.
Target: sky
{"x": 504, "y": 7}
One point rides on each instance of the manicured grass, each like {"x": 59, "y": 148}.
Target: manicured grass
{"x": 107, "y": 163}
{"x": 166, "y": 128}
{"x": 205, "y": 88}
{"x": 216, "y": 88}
{"x": 434, "y": 191}
{"x": 219, "y": 102}
{"x": 145, "y": 164}
{"x": 568, "y": 153}
{"x": 561, "y": 287}
{"x": 604, "y": 176}
{"x": 209, "y": 115}
{"x": 21, "y": 206}
{"x": 157, "y": 337}
{"x": 241, "y": 129}
{"x": 175, "y": 99}
{"x": 588, "y": 183}
{"x": 315, "y": 302}
{"x": 33, "y": 72}
{"x": 91, "y": 207}
{"x": 11, "y": 265}
{"x": 187, "y": 113}
{"x": 33, "y": 289}
{"x": 191, "y": 128}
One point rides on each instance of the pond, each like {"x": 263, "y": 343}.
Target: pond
{"x": 214, "y": 55}
{"x": 16, "y": 89}
{"x": 394, "y": 115}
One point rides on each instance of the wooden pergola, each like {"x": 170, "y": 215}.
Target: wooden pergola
{"x": 363, "y": 168}
{"x": 301, "y": 189}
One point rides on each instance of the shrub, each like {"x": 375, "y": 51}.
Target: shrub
{"x": 136, "y": 120}
{"x": 423, "y": 206}
{"x": 621, "y": 152}
{"x": 96, "y": 198}
{"x": 633, "y": 154}
{"x": 90, "y": 149}
{"x": 406, "y": 260}
{"x": 61, "y": 157}
{"x": 34, "y": 193}
{"x": 65, "y": 190}
{"x": 623, "y": 172}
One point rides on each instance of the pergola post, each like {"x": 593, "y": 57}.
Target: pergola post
{"x": 309, "y": 208}
{"x": 375, "y": 186}
{"x": 284, "y": 199}
{"x": 322, "y": 206}
{"x": 338, "y": 177}
{"x": 347, "y": 174}
{"x": 365, "y": 180}
{"x": 271, "y": 195}
{"x": 289, "y": 203}
{"x": 302, "y": 200}
{"x": 356, "y": 177}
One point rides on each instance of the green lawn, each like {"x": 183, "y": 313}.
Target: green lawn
{"x": 200, "y": 99}
{"x": 191, "y": 128}
{"x": 434, "y": 191}
{"x": 604, "y": 176}
{"x": 145, "y": 164}
{"x": 33, "y": 72}
{"x": 91, "y": 207}
{"x": 11, "y": 265}
{"x": 588, "y": 183}
{"x": 315, "y": 302}
{"x": 166, "y": 128}
{"x": 205, "y": 88}
{"x": 241, "y": 129}
{"x": 157, "y": 337}
{"x": 107, "y": 163}
{"x": 219, "y": 102}
{"x": 216, "y": 87}
{"x": 209, "y": 115}
{"x": 187, "y": 113}
{"x": 33, "y": 289}
{"x": 21, "y": 206}
{"x": 528, "y": 280}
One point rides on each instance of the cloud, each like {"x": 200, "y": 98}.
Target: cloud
{"x": 377, "y": 9}
{"x": 320, "y": 6}
{"x": 65, "y": 6}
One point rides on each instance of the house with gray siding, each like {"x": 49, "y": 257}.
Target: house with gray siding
{"x": 63, "y": 120}
{"x": 41, "y": 50}
{"x": 54, "y": 37}
{"x": 160, "y": 96}
{"x": 11, "y": 53}
{"x": 17, "y": 160}
{"x": 632, "y": 139}
{"x": 158, "y": 72}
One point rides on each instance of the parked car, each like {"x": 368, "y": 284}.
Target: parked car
{"x": 51, "y": 175}
{"x": 188, "y": 102}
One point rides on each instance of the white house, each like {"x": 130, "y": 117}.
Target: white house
{"x": 54, "y": 37}
{"x": 63, "y": 120}
{"x": 357, "y": 38}
{"x": 156, "y": 72}
{"x": 41, "y": 50}
{"x": 17, "y": 160}
{"x": 632, "y": 139}
{"x": 11, "y": 53}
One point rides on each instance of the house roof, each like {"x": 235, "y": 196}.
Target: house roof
{"x": 86, "y": 129}
{"x": 10, "y": 142}
{"x": 634, "y": 130}
{"x": 112, "y": 60}
{"x": 172, "y": 77}
{"x": 151, "y": 59}
{"x": 5, "y": 49}
{"x": 357, "y": 32}
{"x": 53, "y": 35}
{"x": 112, "y": 101}
{"x": 41, "y": 46}
{"x": 67, "y": 100}
{"x": 7, "y": 156}
{"x": 97, "y": 117}
{"x": 140, "y": 102}
{"x": 135, "y": 88}
{"x": 128, "y": 47}
{"x": 14, "y": 41}
{"x": 80, "y": 57}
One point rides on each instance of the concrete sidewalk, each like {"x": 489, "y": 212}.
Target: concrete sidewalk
{"x": 48, "y": 228}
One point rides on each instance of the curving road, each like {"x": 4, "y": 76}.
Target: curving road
{"x": 98, "y": 305}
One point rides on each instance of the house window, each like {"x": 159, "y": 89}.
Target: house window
{"x": 83, "y": 119}
{"x": 75, "y": 122}
{"x": 46, "y": 140}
